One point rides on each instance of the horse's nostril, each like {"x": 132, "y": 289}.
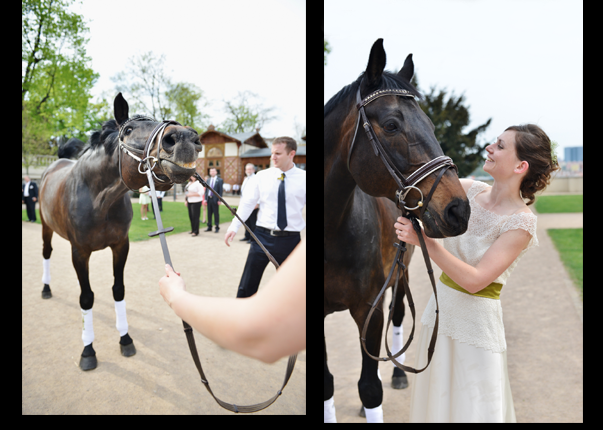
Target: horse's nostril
{"x": 168, "y": 143}
{"x": 456, "y": 214}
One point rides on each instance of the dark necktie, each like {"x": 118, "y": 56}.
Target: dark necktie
{"x": 281, "y": 218}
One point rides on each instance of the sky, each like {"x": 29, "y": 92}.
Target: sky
{"x": 223, "y": 47}
{"x": 516, "y": 61}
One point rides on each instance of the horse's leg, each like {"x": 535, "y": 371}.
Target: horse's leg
{"x": 399, "y": 379}
{"x": 369, "y": 385}
{"x": 46, "y": 251}
{"x": 328, "y": 392}
{"x": 120, "y": 255}
{"x": 80, "y": 260}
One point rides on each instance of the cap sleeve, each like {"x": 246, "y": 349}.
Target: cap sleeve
{"x": 525, "y": 221}
{"x": 476, "y": 188}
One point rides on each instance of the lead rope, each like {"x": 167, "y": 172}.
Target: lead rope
{"x": 188, "y": 329}
{"x": 399, "y": 265}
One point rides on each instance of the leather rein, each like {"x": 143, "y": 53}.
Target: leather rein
{"x": 148, "y": 163}
{"x": 405, "y": 185}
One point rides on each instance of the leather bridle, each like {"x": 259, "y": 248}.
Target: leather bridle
{"x": 145, "y": 163}
{"x": 405, "y": 185}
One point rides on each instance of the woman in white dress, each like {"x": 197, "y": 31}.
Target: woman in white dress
{"x": 467, "y": 379}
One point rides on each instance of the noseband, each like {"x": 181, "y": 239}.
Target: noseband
{"x": 404, "y": 184}
{"x": 145, "y": 161}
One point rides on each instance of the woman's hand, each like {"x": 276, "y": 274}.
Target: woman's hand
{"x": 406, "y": 232}
{"x": 171, "y": 286}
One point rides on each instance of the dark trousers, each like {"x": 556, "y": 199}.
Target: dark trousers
{"x": 279, "y": 247}
{"x": 160, "y": 204}
{"x": 30, "y": 207}
{"x": 213, "y": 208}
{"x": 194, "y": 209}
{"x": 251, "y": 223}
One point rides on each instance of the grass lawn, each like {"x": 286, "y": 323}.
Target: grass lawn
{"x": 174, "y": 214}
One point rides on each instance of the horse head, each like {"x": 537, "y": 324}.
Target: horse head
{"x": 172, "y": 154}
{"x": 406, "y": 134}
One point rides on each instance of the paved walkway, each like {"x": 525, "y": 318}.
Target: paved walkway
{"x": 544, "y": 331}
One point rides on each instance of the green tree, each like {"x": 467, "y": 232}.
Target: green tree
{"x": 183, "y": 101}
{"x": 55, "y": 79}
{"x": 150, "y": 91}
{"x": 327, "y": 50}
{"x": 145, "y": 84}
{"x": 450, "y": 117}
{"x": 245, "y": 115}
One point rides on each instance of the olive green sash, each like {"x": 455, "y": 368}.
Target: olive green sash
{"x": 492, "y": 291}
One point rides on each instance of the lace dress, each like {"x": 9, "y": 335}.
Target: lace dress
{"x": 467, "y": 379}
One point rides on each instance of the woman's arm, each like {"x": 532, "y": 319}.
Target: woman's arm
{"x": 267, "y": 326}
{"x": 495, "y": 261}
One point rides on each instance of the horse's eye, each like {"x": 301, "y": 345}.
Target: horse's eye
{"x": 390, "y": 126}
{"x": 128, "y": 131}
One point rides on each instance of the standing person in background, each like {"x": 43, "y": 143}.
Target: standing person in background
{"x": 212, "y": 201}
{"x": 193, "y": 203}
{"x": 144, "y": 201}
{"x": 249, "y": 173}
{"x": 29, "y": 196}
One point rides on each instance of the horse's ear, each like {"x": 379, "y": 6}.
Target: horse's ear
{"x": 408, "y": 69}
{"x": 120, "y": 109}
{"x": 376, "y": 64}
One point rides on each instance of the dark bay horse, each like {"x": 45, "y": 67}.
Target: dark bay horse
{"x": 86, "y": 202}
{"x": 359, "y": 208}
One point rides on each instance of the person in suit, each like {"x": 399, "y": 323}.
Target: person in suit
{"x": 29, "y": 196}
{"x": 212, "y": 201}
{"x": 281, "y": 193}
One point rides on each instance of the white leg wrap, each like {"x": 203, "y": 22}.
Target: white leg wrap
{"x": 330, "y": 411}
{"x": 398, "y": 344}
{"x": 87, "y": 329}
{"x": 46, "y": 275}
{"x": 374, "y": 415}
{"x": 121, "y": 322}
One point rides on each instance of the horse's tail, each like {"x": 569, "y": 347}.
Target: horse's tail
{"x": 71, "y": 148}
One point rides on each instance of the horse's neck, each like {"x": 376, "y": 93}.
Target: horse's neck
{"x": 100, "y": 173}
{"x": 339, "y": 189}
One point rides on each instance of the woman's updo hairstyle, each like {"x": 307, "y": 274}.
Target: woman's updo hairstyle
{"x": 534, "y": 146}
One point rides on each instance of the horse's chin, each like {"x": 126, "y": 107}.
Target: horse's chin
{"x": 431, "y": 226}
{"x": 178, "y": 173}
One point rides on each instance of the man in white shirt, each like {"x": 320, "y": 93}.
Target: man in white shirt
{"x": 281, "y": 192}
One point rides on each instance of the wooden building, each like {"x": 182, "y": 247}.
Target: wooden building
{"x": 229, "y": 153}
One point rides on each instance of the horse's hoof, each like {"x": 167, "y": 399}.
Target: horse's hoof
{"x": 126, "y": 344}
{"x": 362, "y": 413}
{"x": 88, "y": 358}
{"x": 399, "y": 379}
{"x": 46, "y": 294}
{"x": 128, "y": 350}
{"x": 88, "y": 363}
{"x": 399, "y": 382}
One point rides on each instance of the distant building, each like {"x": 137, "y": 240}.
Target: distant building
{"x": 573, "y": 153}
{"x": 228, "y": 154}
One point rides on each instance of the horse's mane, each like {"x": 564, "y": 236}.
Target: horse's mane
{"x": 388, "y": 81}
{"x": 107, "y": 136}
